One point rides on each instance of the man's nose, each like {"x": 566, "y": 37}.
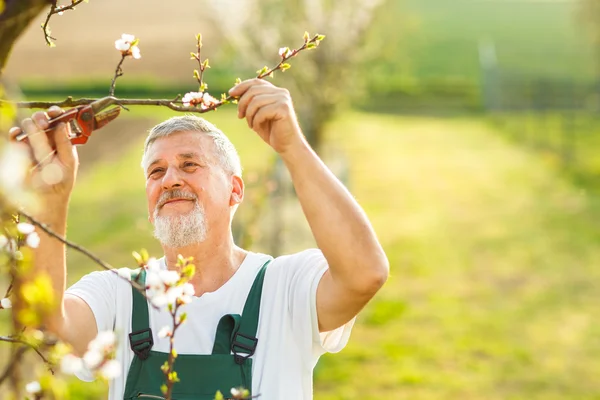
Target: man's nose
{"x": 171, "y": 179}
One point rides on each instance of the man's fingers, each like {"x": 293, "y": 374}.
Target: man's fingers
{"x": 264, "y": 115}
{"x": 257, "y": 103}
{"x": 240, "y": 89}
{"x": 55, "y": 111}
{"x": 13, "y": 132}
{"x": 251, "y": 93}
{"x": 64, "y": 148}
{"x": 37, "y": 140}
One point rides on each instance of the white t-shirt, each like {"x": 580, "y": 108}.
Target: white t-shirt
{"x": 289, "y": 342}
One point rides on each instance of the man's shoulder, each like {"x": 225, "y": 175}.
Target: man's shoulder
{"x": 308, "y": 256}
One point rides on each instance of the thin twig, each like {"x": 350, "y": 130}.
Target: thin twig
{"x": 201, "y": 66}
{"x": 118, "y": 73}
{"x": 11, "y": 339}
{"x": 171, "y": 360}
{"x": 172, "y": 104}
{"x": 54, "y": 9}
{"x": 86, "y": 252}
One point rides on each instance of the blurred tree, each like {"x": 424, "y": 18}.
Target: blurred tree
{"x": 589, "y": 14}
{"x": 321, "y": 83}
{"x": 15, "y": 16}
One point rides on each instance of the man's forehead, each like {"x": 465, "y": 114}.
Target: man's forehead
{"x": 180, "y": 143}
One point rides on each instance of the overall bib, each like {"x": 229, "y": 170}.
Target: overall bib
{"x": 200, "y": 376}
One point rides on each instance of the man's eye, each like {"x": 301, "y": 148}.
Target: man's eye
{"x": 154, "y": 171}
{"x": 189, "y": 164}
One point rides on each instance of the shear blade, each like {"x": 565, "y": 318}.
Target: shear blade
{"x": 105, "y": 117}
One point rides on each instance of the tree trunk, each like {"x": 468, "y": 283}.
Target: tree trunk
{"x": 15, "y": 18}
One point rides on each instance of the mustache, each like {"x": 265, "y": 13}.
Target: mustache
{"x": 174, "y": 194}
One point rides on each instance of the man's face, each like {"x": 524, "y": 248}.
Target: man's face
{"x": 185, "y": 183}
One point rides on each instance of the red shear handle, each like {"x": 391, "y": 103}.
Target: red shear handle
{"x": 66, "y": 117}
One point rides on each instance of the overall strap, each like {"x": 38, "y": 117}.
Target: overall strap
{"x": 244, "y": 340}
{"x": 140, "y": 338}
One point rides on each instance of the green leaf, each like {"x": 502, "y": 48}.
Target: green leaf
{"x": 165, "y": 367}
{"x": 164, "y": 389}
{"x": 284, "y": 66}
{"x": 306, "y": 37}
{"x": 182, "y": 319}
{"x": 263, "y": 70}
{"x": 238, "y": 81}
{"x": 311, "y": 46}
{"x": 135, "y": 42}
{"x": 320, "y": 37}
{"x": 196, "y": 74}
{"x": 219, "y": 395}
{"x": 203, "y": 86}
{"x": 193, "y": 56}
{"x": 205, "y": 64}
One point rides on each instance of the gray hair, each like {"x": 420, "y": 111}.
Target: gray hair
{"x": 226, "y": 153}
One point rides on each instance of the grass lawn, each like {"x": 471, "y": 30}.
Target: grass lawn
{"x": 493, "y": 287}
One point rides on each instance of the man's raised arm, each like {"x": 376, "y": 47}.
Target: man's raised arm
{"x": 358, "y": 266}
{"x": 53, "y": 175}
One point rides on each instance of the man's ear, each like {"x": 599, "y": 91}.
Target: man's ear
{"x": 237, "y": 190}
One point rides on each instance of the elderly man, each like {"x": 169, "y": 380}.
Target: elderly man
{"x": 254, "y": 321}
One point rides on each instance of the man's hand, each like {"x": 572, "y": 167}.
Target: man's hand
{"x": 269, "y": 112}
{"x": 54, "y": 165}
{"x": 54, "y": 159}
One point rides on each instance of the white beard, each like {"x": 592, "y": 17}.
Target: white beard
{"x": 181, "y": 230}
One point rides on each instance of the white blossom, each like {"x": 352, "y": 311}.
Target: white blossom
{"x": 110, "y": 369}
{"x": 122, "y": 45}
{"x": 285, "y": 52}
{"x": 159, "y": 300}
{"x": 124, "y": 273}
{"x": 33, "y": 387}
{"x": 205, "y": 100}
{"x": 128, "y": 38}
{"x": 33, "y": 240}
{"x": 3, "y": 241}
{"x": 6, "y": 303}
{"x": 169, "y": 277}
{"x": 14, "y": 163}
{"x": 126, "y": 47}
{"x": 135, "y": 52}
{"x": 192, "y": 98}
{"x": 187, "y": 293}
{"x": 25, "y": 228}
{"x": 71, "y": 364}
{"x": 93, "y": 358}
{"x": 103, "y": 341}
{"x": 164, "y": 332}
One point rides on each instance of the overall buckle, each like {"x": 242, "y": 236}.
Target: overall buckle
{"x": 141, "y": 347}
{"x": 243, "y": 347}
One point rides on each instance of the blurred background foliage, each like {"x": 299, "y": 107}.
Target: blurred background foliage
{"x": 467, "y": 129}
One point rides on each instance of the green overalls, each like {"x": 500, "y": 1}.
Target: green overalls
{"x": 200, "y": 375}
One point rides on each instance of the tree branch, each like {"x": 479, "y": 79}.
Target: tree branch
{"x": 54, "y": 9}
{"x": 11, "y": 339}
{"x": 84, "y": 251}
{"x": 173, "y": 104}
{"x": 118, "y": 73}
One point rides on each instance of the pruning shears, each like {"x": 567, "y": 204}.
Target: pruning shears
{"x": 84, "y": 119}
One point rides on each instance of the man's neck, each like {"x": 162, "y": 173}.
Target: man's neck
{"x": 215, "y": 261}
